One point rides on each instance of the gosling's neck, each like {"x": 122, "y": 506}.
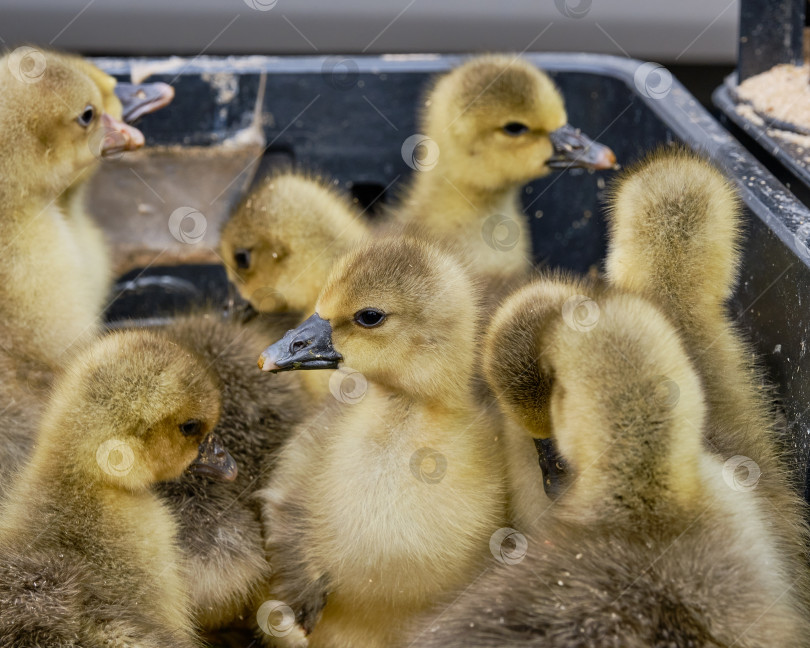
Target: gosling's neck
{"x": 444, "y": 388}
{"x": 67, "y": 456}
{"x": 449, "y": 199}
{"x": 28, "y": 197}
{"x": 54, "y": 485}
{"x": 637, "y": 478}
{"x": 20, "y": 203}
{"x": 488, "y": 224}
{"x": 72, "y": 200}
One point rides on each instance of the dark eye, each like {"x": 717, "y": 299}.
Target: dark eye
{"x": 515, "y": 128}
{"x": 241, "y": 257}
{"x": 369, "y": 318}
{"x": 86, "y": 118}
{"x": 192, "y": 427}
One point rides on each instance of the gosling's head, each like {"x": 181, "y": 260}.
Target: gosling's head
{"x": 500, "y": 122}
{"x": 606, "y": 376}
{"x": 675, "y": 230}
{"x": 624, "y": 405}
{"x": 398, "y": 310}
{"x": 134, "y": 409}
{"x": 515, "y": 341}
{"x": 282, "y": 240}
{"x": 625, "y": 402}
{"x": 60, "y": 114}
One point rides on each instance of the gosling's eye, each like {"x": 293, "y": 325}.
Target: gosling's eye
{"x": 369, "y": 318}
{"x": 515, "y": 128}
{"x": 242, "y": 258}
{"x": 190, "y": 428}
{"x": 86, "y": 118}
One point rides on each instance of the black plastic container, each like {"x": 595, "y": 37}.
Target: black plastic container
{"x": 785, "y": 153}
{"x": 771, "y": 33}
{"x": 348, "y": 118}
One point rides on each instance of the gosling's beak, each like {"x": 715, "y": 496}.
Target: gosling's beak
{"x": 554, "y": 467}
{"x": 307, "y": 347}
{"x": 574, "y": 149}
{"x": 141, "y": 99}
{"x": 118, "y": 137}
{"x": 238, "y": 307}
{"x": 214, "y": 460}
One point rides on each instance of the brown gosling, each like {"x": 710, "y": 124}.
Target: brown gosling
{"x": 282, "y": 240}
{"x": 59, "y": 115}
{"x": 385, "y": 503}
{"x": 492, "y": 125}
{"x": 648, "y": 544}
{"x": 675, "y": 238}
{"x": 219, "y": 525}
{"x": 89, "y": 553}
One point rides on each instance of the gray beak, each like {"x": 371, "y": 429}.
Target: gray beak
{"x": 214, "y": 460}
{"x": 307, "y": 347}
{"x": 572, "y": 149}
{"x": 138, "y": 100}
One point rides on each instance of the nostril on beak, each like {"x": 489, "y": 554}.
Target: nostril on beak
{"x": 296, "y": 346}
